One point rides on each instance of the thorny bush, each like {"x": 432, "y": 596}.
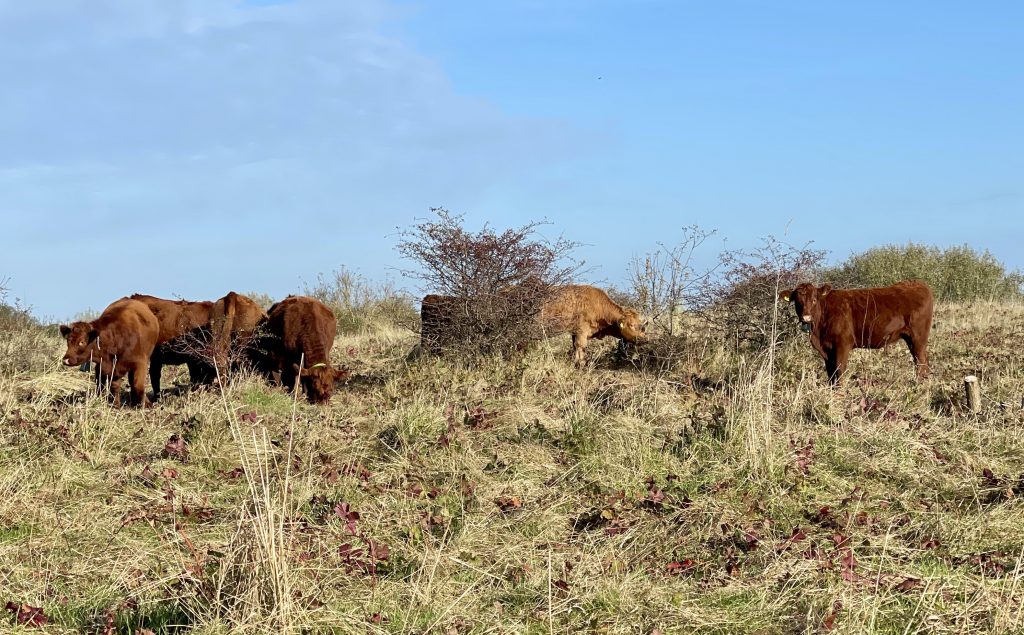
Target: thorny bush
{"x": 494, "y": 284}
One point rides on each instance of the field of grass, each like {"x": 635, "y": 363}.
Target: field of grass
{"x": 728, "y": 495}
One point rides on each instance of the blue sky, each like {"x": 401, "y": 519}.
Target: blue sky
{"x": 193, "y": 147}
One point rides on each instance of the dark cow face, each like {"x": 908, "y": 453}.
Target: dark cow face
{"x": 319, "y": 382}
{"x": 806, "y": 300}
{"x": 631, "y": 327}
{"x": 83, "y": 342}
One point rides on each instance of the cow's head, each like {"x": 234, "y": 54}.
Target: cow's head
{"x": 807, "y": 300}
{"x": 319, "y": 380}
{"x": 631, "y": 326}
{"x": 83, "y": 341}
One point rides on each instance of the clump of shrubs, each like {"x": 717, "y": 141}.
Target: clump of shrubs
{"x": 955, "y": 274}
{"x": 493, "y": 284}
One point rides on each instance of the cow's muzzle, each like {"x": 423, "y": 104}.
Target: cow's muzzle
{"x": 806, "y": 327}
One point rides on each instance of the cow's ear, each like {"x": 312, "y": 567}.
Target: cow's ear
{"x": 65, "y": 330}
{"x": 299, "y": 371}
{"x": 786, "y": 296}
{"x": 826, "y": 289}
{"x": 340, "y": 375}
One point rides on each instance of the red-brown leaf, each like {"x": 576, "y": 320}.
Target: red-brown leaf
{"x": 26, "y": 615}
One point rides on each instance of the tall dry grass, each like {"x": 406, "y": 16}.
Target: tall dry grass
{"x": 722, "y": 494}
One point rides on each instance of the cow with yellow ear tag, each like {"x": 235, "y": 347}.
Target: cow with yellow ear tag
{"x": 839, "y": 321}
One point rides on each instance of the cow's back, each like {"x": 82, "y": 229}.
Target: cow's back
{"x": 176, "y": 317}
{"x": 236, "y": 313}
{"x": 303, "y": 326}
{"x": 875, "y": 317}
{"x": 127, "y": 327}
{"x": 573, "y": 304}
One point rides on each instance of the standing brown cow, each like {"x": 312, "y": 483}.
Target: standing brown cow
{"x": 200, "y": 334}
{"x": 299, "y": 334}
{"x": 841, "y": 320}
{"x": 587, "y": 313}
{"x": 120, "y": 342}
{"x": 178, "y": 320}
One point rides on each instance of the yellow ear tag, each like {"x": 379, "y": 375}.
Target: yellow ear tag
{"x": 785, "y": 298}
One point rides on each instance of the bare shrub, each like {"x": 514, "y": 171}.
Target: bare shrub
{"x": 14, "y": 316}
{"x": 360, "y": 305}
{"x": 664, "y": 282}
{"x": 741, "y": 302}
{"x": 493, "y": 284}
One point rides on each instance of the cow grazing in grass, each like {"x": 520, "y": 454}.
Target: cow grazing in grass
{"x": 298, "y": 336}
{"x": 120, "y": 343}
{"x": 587, "y": 313}
{"x": 840, "y": 320}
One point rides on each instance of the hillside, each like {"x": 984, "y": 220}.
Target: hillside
{"x": 717, "y": 497}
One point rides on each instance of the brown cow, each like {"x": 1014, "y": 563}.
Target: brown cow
{"x": 234, "y": 320}
{"x": 179, "y": 320}
{"x": 586, "y": 313}
{"x": 299, "y": 334}
{"x": 841, "y": 320}
{"x": 186, "y": 327}
{"x": 120, "y": 342}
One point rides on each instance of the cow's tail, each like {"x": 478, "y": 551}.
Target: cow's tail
{"x": 222, "y": 332}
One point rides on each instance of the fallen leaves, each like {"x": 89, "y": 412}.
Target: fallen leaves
{"x": 175, "y": 448}
{"x": 345, "y": 512}
{"x": 508, "y": 504}
{"x": 27, "y": 615}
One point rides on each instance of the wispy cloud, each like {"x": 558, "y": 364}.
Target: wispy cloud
{"x": 136, "y": 126}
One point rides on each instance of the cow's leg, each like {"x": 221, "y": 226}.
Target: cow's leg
{"x": 579, "y": 348}
{"x": 200, "y": 373}
{"x": 137, "y": 383}
{"x": 841, "y": 360}
{"x": 288, "y": 376}
{"x": 156, "y": 366}
{"x": 115, "y": 389}
{"x": 919, "y": 351}
{"x": 97, "y": 379}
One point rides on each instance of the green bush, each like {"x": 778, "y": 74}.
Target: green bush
{"x": 955, "y": 273}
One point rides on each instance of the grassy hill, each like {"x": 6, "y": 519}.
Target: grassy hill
{"x": 729, "y": 495}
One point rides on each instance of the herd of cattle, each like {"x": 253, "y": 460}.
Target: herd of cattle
{"x": 290, "y": 343}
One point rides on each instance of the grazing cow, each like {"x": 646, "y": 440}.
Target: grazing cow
{"x": 586, "y": 313}
{"x": 297, "y": 340}
{"x": 200, "y": 334}
{"x": 120, "y": 342}
{"x": 841, "y": 320}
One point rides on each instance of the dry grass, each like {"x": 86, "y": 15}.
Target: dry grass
{"x": 527, "y": 498}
